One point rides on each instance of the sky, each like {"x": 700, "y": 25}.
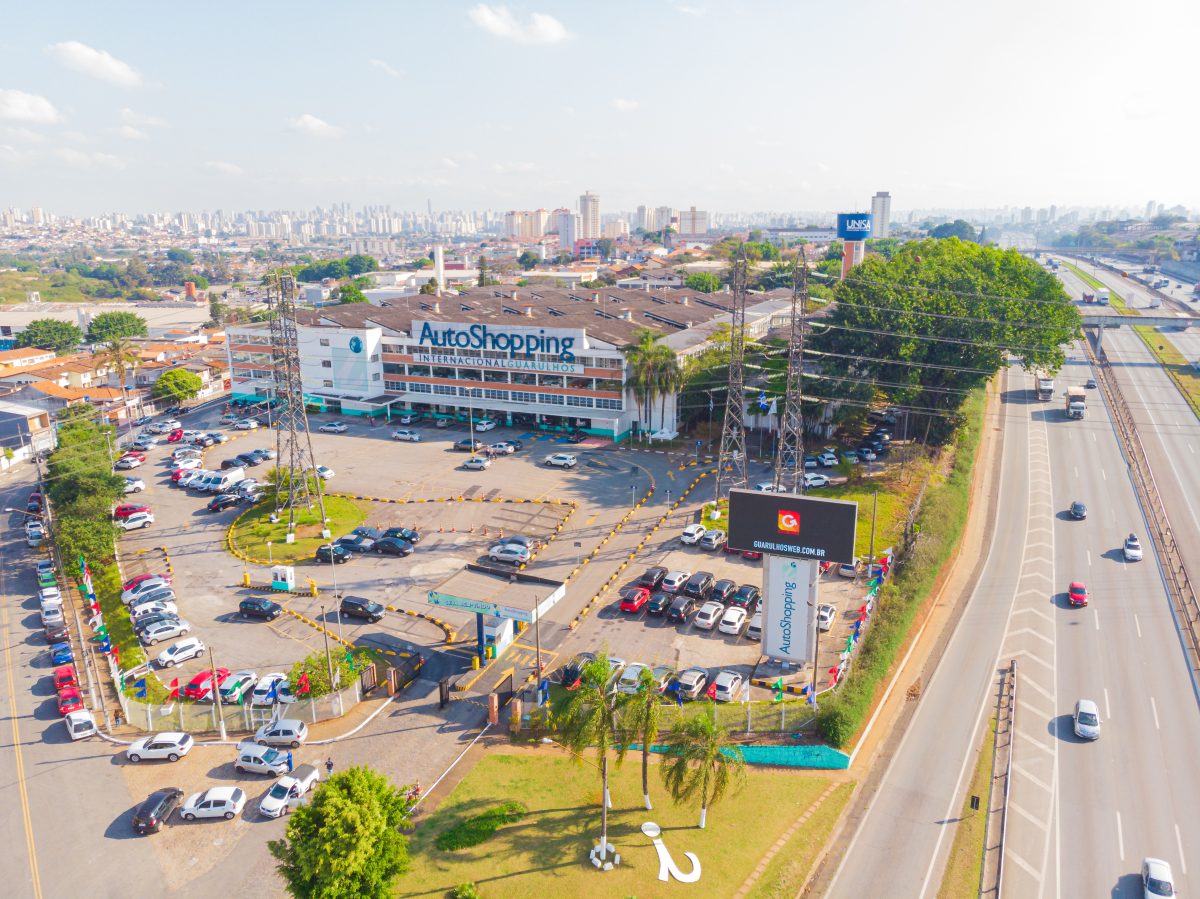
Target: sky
{"x": 726, "y": 105}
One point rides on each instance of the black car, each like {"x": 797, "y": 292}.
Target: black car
{"x": 467, "y": 445}
{"x": 142, "y": 624}
{"x": 249, "y": 459}
{"x": 224, "y": 501}
{"x": 748, "y": 597}
{"x": 392, "y": 546}
{"x": 652, "y": 577}
{"x": 373, "y": 533}
{"x": 699, "y": 585}
{"x": 335, "y": 554}
{"x": 259, "y": 607}
{"x": 682, "y": 608}
{"x": 408, "y": 535}
{"x": 157, "y": 807}
{"x": 357, "y": 607}
{"x": 232, "y": 463}
{"x": 659, "y": 603}
{"x": 355, "y": 543}
{"x": 572, "y": 671}
{"x": 1078, "y": 511}
{"x": 262, "y": 455}
{"x": 722, "y": 589}
{"x": 56, "y": 633}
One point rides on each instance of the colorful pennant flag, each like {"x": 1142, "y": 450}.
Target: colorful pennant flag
{"x": 302, "y": 685}
{"x": 175, "y": 688}
{"x": 139, "y": 686}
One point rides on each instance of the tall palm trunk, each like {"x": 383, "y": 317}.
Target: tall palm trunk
{"x": 604, "y": 808}
{"x": 646, "y": 774}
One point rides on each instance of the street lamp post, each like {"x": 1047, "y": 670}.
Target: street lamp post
{"x": 270, "y": 554}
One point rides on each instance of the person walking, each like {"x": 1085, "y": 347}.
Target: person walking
{"x": 329, "y": 767}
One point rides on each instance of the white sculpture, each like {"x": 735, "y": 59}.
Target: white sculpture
{"x": 666, "y": 865}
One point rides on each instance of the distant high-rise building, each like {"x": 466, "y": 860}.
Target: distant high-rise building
{"x": 1150, "y": 207}
{"x": 663, "y": 215}
{"x": 589, "y": 216}
{"x": 1027, "y": 215}
{"x": 693, "y": 223}
{"x": 640, "y": 219}
{"x": 881, "y": 213}
{"x": 37, "y": 216}
{"x": 567, "y": 224}
{"x": 616, "y": 230}
{"x": 1053, "y": 212}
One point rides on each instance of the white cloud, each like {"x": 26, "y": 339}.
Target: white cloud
{"x": 109, "y": 160}
{"x": 129, "y": 117}
{"x": 449, "y": 163}
{"x": 81, "y": 160}
{"x": 688, "y": 10}
{"x": 625, "y": 105}
{"x": 498, "y": 21}
{"x": 511, "y": 168}
{"x": 128, "y": 131}
{"x": 385, "y": 68}
{"x": 310, "y": 124}
{"x": 95, "y": 63}
{"x": 26, "y": 135}
{"x": 224, "y": 168}
{"x": 23, "y": 107}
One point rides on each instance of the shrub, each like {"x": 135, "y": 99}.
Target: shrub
{"x": 474, "y": 830}
{"x": 466, "y": 890}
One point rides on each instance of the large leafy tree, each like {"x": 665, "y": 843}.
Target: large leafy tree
{"x": 346, "y": 844}
{"x": 959, "y": 228}
{"x": 113, "y": 325}
{"x": 178, "y": 384}
{"x": 701, "y": 761}
{"x": 706, "y": 282}
{"x": 654, "y": 370}
{"x": 50, "y": 334}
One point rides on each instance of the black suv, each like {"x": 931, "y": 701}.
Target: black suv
{"x": 659, "y": 603}
{"x": 157, "y": 807}
{"x": 652, "y": 577}
{"x": 682, "y": 608}
{"x": 408, "y": 535}
{"x": 722, "y": 589}
{"x": 224, "y": 501}
{"x": 748, "y": 597}
{"x": 259, "y": 607}
{"x": 357, "y": 607}
{"x": 699, "y": 585}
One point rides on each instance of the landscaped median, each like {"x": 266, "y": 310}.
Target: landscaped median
{"x": 1174, "y": 363}
{"x": 1116, "y": 301}
{"x": 252, "y": 530}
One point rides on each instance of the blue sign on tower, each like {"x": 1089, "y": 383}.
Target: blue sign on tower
{"x": 854, "y": 225}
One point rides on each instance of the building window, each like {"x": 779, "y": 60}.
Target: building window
{"x": 522, "y": 378}
{"x": 495, "y": 377}
{"x": 327, "y": 383}
{"x": 441, "y": 371}
{"x": 470, "y": 374}
{"x": 393, "y": 368}
{"x": 394, "y": 385}
{"x": 324, "y": 341}
{"x": 443, "y": 389}
{"x": 605, "y": 384}
{"x": 551, "y": 380}
{"x": 520, "y": 396}
{"x": 375, "y": 376}
{"x": 420, "y": 388}
{"x": 618, "y": 405}
{"x": 495, "y": 394}
{"x": 375, "y": 357}
{"x": 326, "y": 363}
{"x": 553, "y": 399}
{"x": 419, "y": 371}
{"x": 391, "y": 348}
{"x": 583, "y": 401}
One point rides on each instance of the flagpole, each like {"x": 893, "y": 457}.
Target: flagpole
{"x": 212, "y": 667}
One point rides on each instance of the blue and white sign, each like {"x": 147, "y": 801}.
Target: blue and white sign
{"x": 854, "y": 225}
{"x": 789, "y": 605}
{"x": 559, "y": 343}
{"x": 356, "y": 344}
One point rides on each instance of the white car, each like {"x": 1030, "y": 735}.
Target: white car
{"x": 1087, "y": 720}
{"x": 708, "y": 616}
{"x": 409, "y": 418}
{"x": 692, "y": 534}
{"x": 143, "y": 587}
{"x": 182, "y": 651}
{"x": 127, "y": 462}
{"x": 628, "y": 681}
{"x": 219, "y": 802}
{"x": 503, "y": 448}
{"x": 236, "y": 687}
{"x": 52, "y": 614}
{"x": 134, "y": 485}
{"x": 509, "y": 552}
{"x": 1133, "y": 549}
{"x": 269, "y": 688}
{"x": 674, "y": 581}
{"x": 139, "y": 610}
{"x": 165, "y": 630}
{"x": 324, "y": 472}
{"x": 732, "y": 621}
{"x": 727, "y": 685}
{"x": 477, "y": 463}
{"x": 485, "y": 424}
{"x": 825, "y": 616}
{"x": 1157, "y": 880}
{"x": 407, "y": 435}
{"x": 246, "y": 424}
{"x": 714, "y": 538}
{"x": 160, "y": 593}
{"x": 867, "y": 454}
{"x": 288, "y": 792}
{"x": 284, "y": 732}
{"x": 816, "y": 480}
{"x": 135, "y": 521}
{"x": 191, "y": 477}
{"x": 80, "y": 724}
{"x": 561, "y": 460}
{"x": 188, "y": 463}
{"x": 170, "y": 746}
{"x": 333, "y": 427}
{"x": 829, "y": 460}
{"x": 189, "y": 436}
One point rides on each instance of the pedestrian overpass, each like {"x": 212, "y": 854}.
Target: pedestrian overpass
{"x": 1173, "y": 322}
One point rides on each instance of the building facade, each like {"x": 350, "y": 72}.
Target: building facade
{"x": 881, "y": 214}
{"x": 589, "y": 216}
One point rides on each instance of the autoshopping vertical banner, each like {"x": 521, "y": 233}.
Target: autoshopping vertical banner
{"x": 789, "y": 606}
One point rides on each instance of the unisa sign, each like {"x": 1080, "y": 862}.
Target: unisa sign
{"x": 854, "y": 225}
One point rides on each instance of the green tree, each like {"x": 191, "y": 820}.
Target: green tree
{"x": 528, "y": 260}
{"x": 701, "y": 760}
{"x": 344, "y": 663}
{"x": 117, "y": 356}
{"x": 217, "y": 312}
{"x": 50, "y": 334}
{"x": 642, "y": 721}
{"x": 1165, "y": 220}
{"x": 429, "y": 288}
{"x": 605, "y": 246}
{"x": 654, "y": 369}
{"x": 887, "y": 247}
{"x": 484, "y": 280}
{"x": 707, "y": 282}
{"x": 360, "y": 264}
{"x": 178, "y": 384}
{"x": 351, "y": 293}
{"x": 592, "y": 720}
{"x": 183, "y": 257}
{"x": 115, "y": 325}
{"x": 959, "y": 228}
{"x": 347, "y": 843}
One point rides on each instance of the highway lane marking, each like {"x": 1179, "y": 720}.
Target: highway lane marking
{"x": 1120, "y": 838}
{"x": 1096, "y": 618}
{"x": 1017, "y": 766}
{"x": 1191, "y": 449}
{"x": 1027, "y": 816}
{"x": 1154, "y": 709}
{"x": 20, "y": 762}
{"x": 1107, "y": 710}
{"x": 1182, "y": 857}
{"x": 1138, "y": 625}
{"x": 1103, "y": 475}
{"x": 1089, "y": 555}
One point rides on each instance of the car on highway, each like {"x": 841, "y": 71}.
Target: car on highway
{"x": 1078, "y": 511}
{"x": 652, "y": 577}
{"x": 284, "y": 732}
{"x": 259, "y": 607}
{"x": 634, "y": 598}
{"x": 1087, "y": 720}
{"x": 334, "y": 427}
{"x": 825, "y": 616}
{"x": 288, "y": 791}
{"x": 134, "y": 485}
{"x": 136, "y": 521}
{"x": 659, "y": 603}
{"x": 69, "y": 701}
{"x": 217, "y": 802}
{"x": 358, "y": 607}
{"x": 64, "y": 677}
{"x": 708, "y": 616}
{"x": 155, "y": 809}
{"x": 1077, "y": 594}
{"x": 561, "y": 460}
{"x": 235, "y": 687}
{"x": 332, "y": 552}
{"x": 223, "y": 501}
{"x": 407, "y": 435}
{"x": 1132, "y": 549}
{"x": 52, "y": 614}
{"x": 692, "y": 534}
{"x": 181, "y": 651}
{"x": 271, "y": 688}
{"x": 1091, "y": 384}
{"x": 1157, "y": 879}
{"x": 200, "y": 687}
{"x": 392, "y": 546}
{"x": 512, "y": 553}
{"x": 726, "y": 686}
{"x": 171, "y": 746}
{"x": 732, "y": 621}
{"x": 674, "y": 581}
{"x": 713, "y": 539}
{"x": 477, "y": 463}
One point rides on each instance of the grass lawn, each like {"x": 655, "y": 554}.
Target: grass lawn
{"x": 961, "y": 879}
{"x": 1174, "y": 362}
{"x": 791, "y": 865}
{"x": 61, "y": 287}
{"x": 254, "y": 529}
{"x": 545, "y": 854}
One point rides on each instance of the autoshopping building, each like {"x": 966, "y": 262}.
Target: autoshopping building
{"x": 550, "y": 359}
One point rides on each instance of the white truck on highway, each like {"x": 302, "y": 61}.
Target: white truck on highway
{"x": 1076, "y": 403}
{"x": 1045, "y": 386}
{"x": 1102, "y": 296}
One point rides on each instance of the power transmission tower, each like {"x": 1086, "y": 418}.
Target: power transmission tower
{"x": 296, "y": 480}
{"x": 789, "y": 459}
{"x": 731, "y": 460}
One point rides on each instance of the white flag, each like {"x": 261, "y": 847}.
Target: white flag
{"x": 774, "y": 408}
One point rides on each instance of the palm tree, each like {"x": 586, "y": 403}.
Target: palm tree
{"x": 668, "y": 381}
{"x": 592, "y": 719}
{"x": 643, "y": 721}
{"x": 702, "y": 760}
{"x": 640, "y": 356}
{"x": 117, "y": 354}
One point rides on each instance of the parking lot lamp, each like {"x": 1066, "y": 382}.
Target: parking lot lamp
{"x": 270, "y": 555}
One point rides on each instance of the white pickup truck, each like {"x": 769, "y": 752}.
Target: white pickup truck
{"x": 289, "y": 791}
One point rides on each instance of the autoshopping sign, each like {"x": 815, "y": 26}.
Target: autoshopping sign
{"x": 789, "y": 601}
{"x": 787, "y": 524}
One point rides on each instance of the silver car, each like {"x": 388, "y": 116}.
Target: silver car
{"x": 1087, "y": 720}
{"x": 165, "y": 630}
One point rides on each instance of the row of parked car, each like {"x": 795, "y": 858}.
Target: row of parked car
{"x": 397, "y": 541}
{"x": 689, "y": 684}
{"x": 700, "y": 599}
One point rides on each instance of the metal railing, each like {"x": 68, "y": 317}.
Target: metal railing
{"x": 1002, "y": 749}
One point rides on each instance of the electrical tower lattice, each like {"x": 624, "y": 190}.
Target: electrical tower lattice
{"x": 789, "y": 458}
{"x": 731, "y": 460}
{"x": 296, "y": 480}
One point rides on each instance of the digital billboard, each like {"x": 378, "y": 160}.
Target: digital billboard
{"x": 854, "y": 225}
{"x": 787, "y": 524}
{"x": 789, "y": 607}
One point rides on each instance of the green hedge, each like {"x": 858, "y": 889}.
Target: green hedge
{"x": 478, "y": 828}
{"x": 940, "y": 524}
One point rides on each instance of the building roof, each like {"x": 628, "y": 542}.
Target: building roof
{"x": 73, "y": 394}
{"x": 23, "y": 355}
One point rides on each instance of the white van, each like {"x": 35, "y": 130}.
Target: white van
{"x": 225, "y": 480}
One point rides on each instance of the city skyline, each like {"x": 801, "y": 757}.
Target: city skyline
{"x": 96, "y": 115}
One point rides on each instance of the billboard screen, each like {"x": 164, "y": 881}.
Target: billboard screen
{"x": 854, "y": 225}
{"x": 789, "y": 606}
{"x": 787, "y": 524}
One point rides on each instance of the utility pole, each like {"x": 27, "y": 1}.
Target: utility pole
{"x": 874, "y": 509}
{"x": 790, "y": 448}
{"x": 731, "y": 459}
{"x": 212, "y": 668}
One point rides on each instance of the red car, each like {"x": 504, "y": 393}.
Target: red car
{"x": 127, "y": 510}
{"x": 751, "y": 554}
{"x": 1077, "y": 594}
{"x": 69, "y": 700}
{"x": 200, "y": 686}
{"x": 179, "y": 473}
{"x": 134, "y": 454}
{"x": 141, "y": 578}
{"x": 634, "y": 598}
{"x": 64, "y": 678}
{"x": 34, "y": 503}
{"x": 175, "y": 436}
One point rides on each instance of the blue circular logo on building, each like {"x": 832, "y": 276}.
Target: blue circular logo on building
{"x": 356, "y": 344}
